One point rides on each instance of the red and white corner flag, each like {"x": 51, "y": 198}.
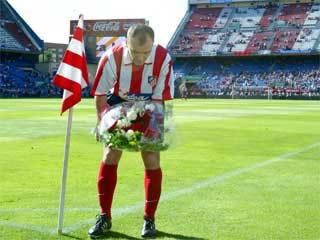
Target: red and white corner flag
{"x": 72, "y": 74}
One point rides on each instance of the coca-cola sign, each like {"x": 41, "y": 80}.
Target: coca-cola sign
{"x": 116, "y": 27}
{"x": 106, "y": 26}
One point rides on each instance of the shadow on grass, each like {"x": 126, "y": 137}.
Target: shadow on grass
{"x": 161, "y": 234}
{"x": 117, "y": 235}
{"x": 109, "y": 235}
{"x": 72, "y": 236}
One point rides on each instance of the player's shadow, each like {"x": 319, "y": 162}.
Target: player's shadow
{"x": 109, "y": 235}
{"x": 116, "y": 235}
{"x": 161, "y": 234}
{"x": 72, "y": 236}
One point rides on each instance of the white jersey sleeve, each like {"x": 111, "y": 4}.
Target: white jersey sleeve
{"x": 164, "y": 89}
{"x": 105, "y": 75}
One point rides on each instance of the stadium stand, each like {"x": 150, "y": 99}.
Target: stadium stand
{"x": 306, "y": 39}
{"x": 238, "y": 42}
{"x": 213, "y": 43}
{"x": 259, "y": 42}
{"x": 294, "y": 14}
{"x": 18, "y": 29}
{"x": 203, "y": 18}
{"x": 313, "y": 16}
{"x": 247, "y": 17}
{"x": 268, "y": 16}
{"x": 252, "y": 47}
{"x": 284, "y": 40}
{"x": 240, "y": 28}
{"x": 19, "y": 53}
{"x": 7, "y": 41}
{"x": 223, "y": 18}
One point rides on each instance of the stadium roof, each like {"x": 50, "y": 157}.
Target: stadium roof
{"x": 32, "y": 36}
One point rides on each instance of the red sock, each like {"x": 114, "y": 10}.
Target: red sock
{"x": 107, "y": 180}
{"x": 152, "y": 187}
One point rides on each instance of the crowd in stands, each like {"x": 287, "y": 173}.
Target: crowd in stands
{"x": 293, "y": 83}
{"x": 27, "y": 82}
{"x": 15, "y": 82}
{"x": 249, "y": 76}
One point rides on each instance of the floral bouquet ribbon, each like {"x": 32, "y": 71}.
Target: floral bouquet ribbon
{"x": 136, "y": 126}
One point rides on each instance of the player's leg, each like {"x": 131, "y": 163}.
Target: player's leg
{"x": 107, "y": 180}
{"x": 152, "y": 185}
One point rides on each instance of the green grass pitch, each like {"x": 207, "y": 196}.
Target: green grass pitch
{"x": 238, "y": 170}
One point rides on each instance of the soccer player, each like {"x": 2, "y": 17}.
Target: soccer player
{"x": 183, "y": 90}
{"x": 135, "y": 71}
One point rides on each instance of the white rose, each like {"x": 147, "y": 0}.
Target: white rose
{"x": 130, "y": 133}
{"x": 126, "y": 123}
{"x": 119, "y": 124}
{"x": 132, "y": 115}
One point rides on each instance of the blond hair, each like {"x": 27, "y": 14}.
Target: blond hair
{"x": 140, "y": 32}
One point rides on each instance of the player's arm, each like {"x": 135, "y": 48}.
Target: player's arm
{"x": 164, "y": 89}
{"x": 101, "y": 106}
{"x": 103, "y": 82}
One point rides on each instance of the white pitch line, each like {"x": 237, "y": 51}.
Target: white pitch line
{"x": 202, "y": 184}
{"x": 46, "y": 210}
{"x": 36, "y": 228}
{"x": 235, "y": 173}
{"x": 119, "y": 212}
{"x": 116, "y": 213}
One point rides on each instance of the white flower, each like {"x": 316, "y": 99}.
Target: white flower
{"x": 127, "y": 123}
{"x": 150, "y": 107}
{"x": 106, "y": 136}
{"x": 119, "y": 124}
{"x": 132, "y": 115}
{"x": 123, "y": 123}
{"x": 129, "y": 133}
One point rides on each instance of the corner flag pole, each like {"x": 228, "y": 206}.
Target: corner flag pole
{"x": 72, "y": 76}
{"x": 64, "y": 171}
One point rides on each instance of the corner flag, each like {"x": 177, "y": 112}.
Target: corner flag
{"x": 72, "y": 74}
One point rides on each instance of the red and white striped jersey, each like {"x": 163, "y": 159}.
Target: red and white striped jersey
{"x": 117, "y": 75}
